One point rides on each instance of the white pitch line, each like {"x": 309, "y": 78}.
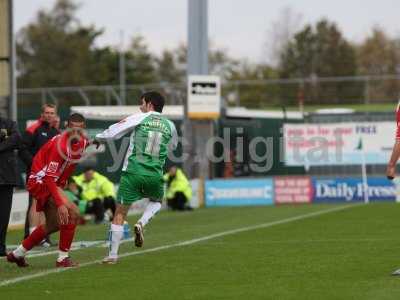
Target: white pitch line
{"x": 184, "y": 243}
{"x": 355, "y": 240}
{"x": 82, "y": 245}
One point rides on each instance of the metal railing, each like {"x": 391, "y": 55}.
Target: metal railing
{"x": 294, "y": 93}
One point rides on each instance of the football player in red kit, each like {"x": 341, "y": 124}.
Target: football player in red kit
{"x": 51, "y": 168}
{"x": 391, "y": 168}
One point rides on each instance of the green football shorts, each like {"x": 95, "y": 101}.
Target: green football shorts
{"x": 133, "y": 187}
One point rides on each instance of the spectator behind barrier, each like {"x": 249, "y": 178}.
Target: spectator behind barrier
{"x": 179, "y": 191}
{"x": 73, "y": 194}
{"x": 98, "y": 192}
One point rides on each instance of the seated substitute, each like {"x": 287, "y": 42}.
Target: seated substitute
{"x": 98, "y": 192}
{"x": 179, "y": 191}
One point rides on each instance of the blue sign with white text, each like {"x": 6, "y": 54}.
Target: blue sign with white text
{"x": 227, "y": 192}
{"x": 352, "y": 190}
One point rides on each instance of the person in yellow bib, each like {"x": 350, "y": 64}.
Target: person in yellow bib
{"x": 98, "y": 192}
{"x": 179, "y": 191}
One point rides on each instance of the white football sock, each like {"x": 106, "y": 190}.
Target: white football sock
{"x": 116, "y": 233}
{"x": 62, "y": 255}
{"x": 151, "y": 209}
{"x": 20, "y": 251}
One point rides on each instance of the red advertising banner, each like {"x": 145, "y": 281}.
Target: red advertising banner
{"x": 293, "y": 189}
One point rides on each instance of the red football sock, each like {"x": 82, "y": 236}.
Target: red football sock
{"x": 67, "y": 233}
{"x": 34, "y": 238}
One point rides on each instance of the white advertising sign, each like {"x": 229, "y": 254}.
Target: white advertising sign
{"x": 18, "y": 209}
{"x": 204, "y": 97}
{"x": 338, "y": 143}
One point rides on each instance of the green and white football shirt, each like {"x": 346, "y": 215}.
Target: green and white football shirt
{"x": 152, "y": 137}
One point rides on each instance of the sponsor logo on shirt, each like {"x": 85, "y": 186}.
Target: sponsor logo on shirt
{"x": 53, "y": 166}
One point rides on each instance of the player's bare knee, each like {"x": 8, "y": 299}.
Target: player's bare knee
{"x": 120, "y": 214}
{"x": 73, "y": 219}
{"x": 73, "y": 216}
{"x": 118, "y": 219}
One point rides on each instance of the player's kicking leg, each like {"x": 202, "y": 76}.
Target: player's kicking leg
{"x": 117, "y": 228}
{"x": 151, "y": 209}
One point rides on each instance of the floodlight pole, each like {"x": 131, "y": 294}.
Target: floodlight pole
{"x": 13, "y": 58}
{"x": 197, "y": 60}
{"x": 8, "y": 107}
{"x": 197, "y": 64}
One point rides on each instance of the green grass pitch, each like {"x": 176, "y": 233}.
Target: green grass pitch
{"x": 297, "y": 254}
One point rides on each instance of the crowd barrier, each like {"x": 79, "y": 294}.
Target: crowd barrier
{"x": 297, "y": 189}
{"x": 20, "y": 204}
{"x": 262, "y": 191}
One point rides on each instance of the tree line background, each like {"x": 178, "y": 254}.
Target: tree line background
{"x": 57, "y": 50}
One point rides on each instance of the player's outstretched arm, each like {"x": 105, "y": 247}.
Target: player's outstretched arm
{"x": 121, "y": 128}
{"x": 391, "y": 168}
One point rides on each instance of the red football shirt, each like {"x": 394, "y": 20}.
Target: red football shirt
{"x": 53, "y": 165}
{"x": 398, "y": 121}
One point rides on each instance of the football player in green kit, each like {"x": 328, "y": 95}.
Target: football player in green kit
{"x": 152, "y": 137}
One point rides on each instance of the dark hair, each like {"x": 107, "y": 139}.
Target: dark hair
{"x": 154, "y": 98}
{"x": 75, "y": 117}
{"x": 71, "y": 180}
{"x": 89, "y": 168}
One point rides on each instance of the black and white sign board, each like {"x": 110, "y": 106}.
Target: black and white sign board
{"x": 204, "y": 97}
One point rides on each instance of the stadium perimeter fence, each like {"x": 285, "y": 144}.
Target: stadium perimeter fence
{"x": 358, "y": 93}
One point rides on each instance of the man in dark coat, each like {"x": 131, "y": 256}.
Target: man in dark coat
{"x": 10, "y": 140}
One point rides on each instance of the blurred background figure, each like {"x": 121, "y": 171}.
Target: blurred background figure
{"x": 179, "y": 191}
{"x": 9, "y": 142}
{"x": 34, "y": 137}
{"x": 56, "y": 122}
{"x": 73, "y": 193}
{"x": 97, "y": 193}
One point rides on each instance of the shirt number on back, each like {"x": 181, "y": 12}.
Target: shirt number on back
{"x": 153, "y": 143}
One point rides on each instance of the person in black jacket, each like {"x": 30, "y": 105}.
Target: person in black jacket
{"x": 10, "y": 140}
{"x": 34, "y": 137}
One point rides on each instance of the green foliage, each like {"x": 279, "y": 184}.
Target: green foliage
{"x": 320, "y": 51}
{"x": 251, "y": 93}
{"x": 379, "y": 55}
{"x": 140, "y": 62}
{"x": 168, "y": 68}
{"x": 52, "y": 50}
{"x": 57, "y": 50}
